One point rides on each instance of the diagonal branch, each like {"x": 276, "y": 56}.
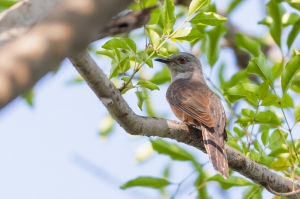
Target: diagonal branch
{"x": 149, "y": 126}
{"x": 36, "y": 35}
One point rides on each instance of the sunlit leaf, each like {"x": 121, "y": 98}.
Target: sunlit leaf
{"x": 107, "y": 53}
{"x": 293, "y": 34}
{"x": 265, "y": 137}
{"x": 240, "y": 76}
{"x": 297, "y": 113}
{"x": 263, "y": 90}
{"x": 147, "y": 84}
{"x": 290, "y": 19}
{"x": 245, "y": 43}
{"x": 213, "y": 38}
{"x": 280, "y": 164}
{"x": 269, "y": 100}
{"x": 196, "y": 5}
{"x": 161, "y": 76}
{"x": 188, "y": 34}
{"x": 291, "y": 69}
{"x": 106, "y": 126}
{"x": 239, "y": 91}
{"x": 29, "y": 97}
{"x": 174, "y": 151}
{"x": 233, "y": 4}
{"x": 275, "y": 140}
{"x": 254, "y": 191}
{"x": 154, "y": 37}
{"x": 168, "y": 15}
{"x": 146, "y": 181}
{"x": 208, "y": 18}
{"x": 230, "y": 182}
{"x": 258, "y": 66}
{"x": 273, "y": 10}
{"x": 141, "y": 97}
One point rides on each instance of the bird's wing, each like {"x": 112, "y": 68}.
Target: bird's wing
{"x": 197, "y": 101}
{"x": 192, "y": 99}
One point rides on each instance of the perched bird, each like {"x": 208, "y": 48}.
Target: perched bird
{"x": 193, "y": 102}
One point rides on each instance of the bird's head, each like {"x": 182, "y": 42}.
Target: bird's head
{"x": 183, "y": 64}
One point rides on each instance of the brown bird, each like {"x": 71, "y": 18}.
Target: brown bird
{"x": 194, "y": 103}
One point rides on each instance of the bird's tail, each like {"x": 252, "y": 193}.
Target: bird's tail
{"x": 214, "y": 146}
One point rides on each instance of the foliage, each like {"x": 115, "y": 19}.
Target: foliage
{"x": 268, "y": 110}
{"x": 261, "y": 129}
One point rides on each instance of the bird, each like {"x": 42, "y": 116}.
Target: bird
{"x": 195, "y": 104}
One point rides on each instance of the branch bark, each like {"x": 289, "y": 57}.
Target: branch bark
{"x": 67, "y": 28}
{"x": 149, "y": 126}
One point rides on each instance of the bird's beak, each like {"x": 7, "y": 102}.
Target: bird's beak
{"x": 163, "y": 60}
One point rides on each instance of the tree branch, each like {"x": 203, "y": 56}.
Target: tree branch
{"x": 149, "y": 126}
{"x": 67, "y": 29}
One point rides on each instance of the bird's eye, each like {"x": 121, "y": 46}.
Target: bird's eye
{"x": 182, "y": 60}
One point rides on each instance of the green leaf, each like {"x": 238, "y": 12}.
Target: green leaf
{"x": 248, "y": 113}
{"x": 258, "y": 66}
{"x": 263, "y": 90}
{"x": 154, "y": 16}
{"x": 257, "y": 146}
{"x": 254, "y": 191}
{"x": 290, "y": 19}
{"x": 252, "y": 98}
{"x": 277, "y": 69}
{"x": 280, "y": 164}
{"x": 107, "y": 53}
{"x": 232, "y": 181}
{"x": 240, "y": 76}
{"x": 239, "y": 91}
{"x": 29, "y": 97}
{"x": 174, "y": 151}
{"x": 271, "y": 99}
{"x": 291, "y": 69}
{"x": 297, "y": 113}
{"x": 233, "y": 4}
{"x": 147, "y": 84}
{"x": 208, "y": 19}
{"x": 212, "y": 47}
{"x": 247, "y": 44}
{"x": 146, "y": 181}
{"x": 130, "y": 43}
{"x": 141, "y": 97}
{"x": 144, "y": 58}
{"x": 115, "y": 69}
{"x": 196, "y": 5}
{"x": 293, "y": 34}
{"x": 273, "y": 10}
{"x": 273, "y": 118}
{"x": 286, "y": 101}
{"x": 129, "y": 85}
{"x": 200, "y": 184}
{"x": 275, "y": 140}
{"x": 168, "y": 16}
{"x": 233, "y": 143}
{"x": 265, "y": 137}
{"x": 263, "y": 117}
{"x": 115, "y": 43}
{"x": 7, "y": 3}
{"x": 282, "y": 149}
{"x": 240, "y": 133}
{"x": 106, "y": 126}
{"x": 154, "y": 38}
{"x": 188, "y": 34}
{"x": 161, "y": 77}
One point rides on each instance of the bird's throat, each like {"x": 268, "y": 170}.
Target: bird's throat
{"x": 187, "y": 75}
